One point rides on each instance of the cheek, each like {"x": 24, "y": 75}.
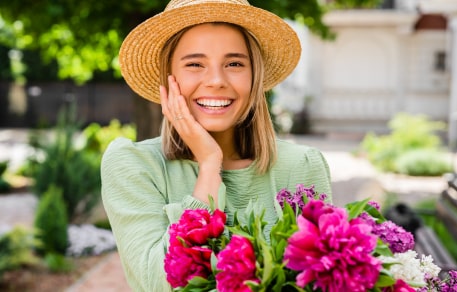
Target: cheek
{"x": 244, "y": 87}
{"x": 186, "y": 84}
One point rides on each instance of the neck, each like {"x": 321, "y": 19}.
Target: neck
{"x": 227, "y": 143}
{"x": 232, "y": 159}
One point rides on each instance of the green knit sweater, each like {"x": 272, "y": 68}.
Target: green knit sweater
{"x": 143, "y": 193}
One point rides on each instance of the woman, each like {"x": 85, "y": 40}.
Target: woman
{"x": 209, "y": 64}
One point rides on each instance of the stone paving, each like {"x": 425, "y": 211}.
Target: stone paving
{"x": 106, "y": 276}
{"x": 353, "y": 178}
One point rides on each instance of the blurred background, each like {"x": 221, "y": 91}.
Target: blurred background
{"x": 359, "y": 67}
{"x": 375, "y": 90}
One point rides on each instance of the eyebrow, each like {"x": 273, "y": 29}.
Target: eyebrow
{"x": 229, "y": 55}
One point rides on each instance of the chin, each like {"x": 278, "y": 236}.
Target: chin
{"x": 212, "y": 127}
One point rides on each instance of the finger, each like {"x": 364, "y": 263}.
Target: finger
{"x": 183, "y": 108}
{"x": 178, "y": 104}
{"x": 175, "y": 92}
{"x": 164, "y": 101}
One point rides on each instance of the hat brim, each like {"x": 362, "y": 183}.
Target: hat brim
{"x": 140, "y": 51}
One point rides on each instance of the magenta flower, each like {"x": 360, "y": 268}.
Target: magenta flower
{"x": 196, "y": 226}
{"x": 450, "y": 284}
{"x": 187, "y": 257}
{"x": 399, "y": 286}
{"x": 332, "y": 252}
{"x": 296, "y": 200}
{"x": 314, "y": 209}
{"x": 398, "y": 239}
{"x": 237, "y": 264}
{"x": 183, "y": 263}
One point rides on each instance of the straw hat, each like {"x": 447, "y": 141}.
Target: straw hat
{"x": 139, "y": 53}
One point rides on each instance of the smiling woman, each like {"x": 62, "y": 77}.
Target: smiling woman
{"x": 209, "y": 64}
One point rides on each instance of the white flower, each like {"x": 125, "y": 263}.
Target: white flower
{"x": 411, "y": 269}
{"x": 429, "y": 267}
{"x": 87, "y": 239}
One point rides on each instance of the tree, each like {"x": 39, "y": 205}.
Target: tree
{"x": 84, "y": 36}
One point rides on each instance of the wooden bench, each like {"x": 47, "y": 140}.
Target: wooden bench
{"x": 427, "y": 242}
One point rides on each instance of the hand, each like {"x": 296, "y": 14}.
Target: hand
{"x": 175, "y": 109}
{"x": 205, "y": 149}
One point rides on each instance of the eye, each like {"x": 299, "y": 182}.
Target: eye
{"x": 193, "y": 65}
{"x": 236, "y": 64}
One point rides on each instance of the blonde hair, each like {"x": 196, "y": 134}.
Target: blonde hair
{"x": 254, "y": 133}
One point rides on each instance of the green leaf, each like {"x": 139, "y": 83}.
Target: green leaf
{"x": 385, "y": 279}
{"x": 382, "y": 249}
{"x": 240, "y": 232}
{"x": 268, "y": 262}
{"x": 212, "y": 204}
{"x": 198, "y": 281}
{"x": 373, "y": 212}
{"x": 213, "y": 262}
{"x": 356, "y": 208}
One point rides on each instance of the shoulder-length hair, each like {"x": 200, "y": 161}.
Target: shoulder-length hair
{"x": 254, "y": 132}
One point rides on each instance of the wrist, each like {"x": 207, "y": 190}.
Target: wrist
{"x": 210, "y": 167}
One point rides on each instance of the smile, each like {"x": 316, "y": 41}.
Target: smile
{"x": 214, "y": 103}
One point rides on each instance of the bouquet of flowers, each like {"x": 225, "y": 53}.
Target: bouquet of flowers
{"x": 313, "y": 246}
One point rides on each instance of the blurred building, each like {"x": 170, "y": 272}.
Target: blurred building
{"x": 396, "y": 59}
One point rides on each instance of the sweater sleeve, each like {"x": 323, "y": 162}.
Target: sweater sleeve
{"x": 305, "y": 165}
{"x": 135, "y": 194}
{"x": 319, "y": 174}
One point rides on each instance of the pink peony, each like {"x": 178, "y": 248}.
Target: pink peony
{"x": 186, "y": 256}
{"x": 196, "y": 226}
{"x": 332, "y": 251}
{"x": 237, "y": 264}
{"x": 314, "y": 209}
{"x": 184, "y": 263}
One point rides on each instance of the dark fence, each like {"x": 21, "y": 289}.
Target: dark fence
{"x": 38, "y": 104}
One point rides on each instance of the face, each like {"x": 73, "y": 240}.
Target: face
{"x": 212, "y": 67}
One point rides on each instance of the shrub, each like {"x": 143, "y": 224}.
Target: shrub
{"x": 423, "y": 162}
{"x": 51, "y": 222}
{"x": 58, "y": 162}
{"x": 58, "y": 263}
{"x": 408, "y": 132}
{"x": 16, "y": 249}
{"x": 98, "y": 138}
{"x": 103, "y": 224}
{"x": 75, "y": 170}
{"x": 4, "y": 185}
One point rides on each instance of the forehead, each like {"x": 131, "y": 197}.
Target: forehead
{"x": 215, "y": 34}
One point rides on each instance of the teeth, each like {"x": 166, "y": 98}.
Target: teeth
{"x": 214, "y": 102}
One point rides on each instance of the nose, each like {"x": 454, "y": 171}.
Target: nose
{"x": 216, "y": 77}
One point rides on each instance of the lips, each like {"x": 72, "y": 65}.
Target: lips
{"x": 214, "y": 103}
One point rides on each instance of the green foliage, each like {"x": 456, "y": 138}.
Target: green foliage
{"x": 59, "y": 162}
{"x": 58, "y": 263}
{"x": 423, "y": 162}
{"x": 51, "y": 222}
{"x": 16, "y": 249}
{"x": 408, "y": 132}
{"x": 4, "y": 185}
{"x": 98, "y": 138}
{"x": 349, "y": 4}
{"x": 84, "y": 37}
{"x": 103, "y": 224}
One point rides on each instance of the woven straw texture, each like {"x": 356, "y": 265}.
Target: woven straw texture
{"x": 139, "y": 53}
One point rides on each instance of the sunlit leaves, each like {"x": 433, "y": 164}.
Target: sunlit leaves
{"x": 84, "y": 36}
